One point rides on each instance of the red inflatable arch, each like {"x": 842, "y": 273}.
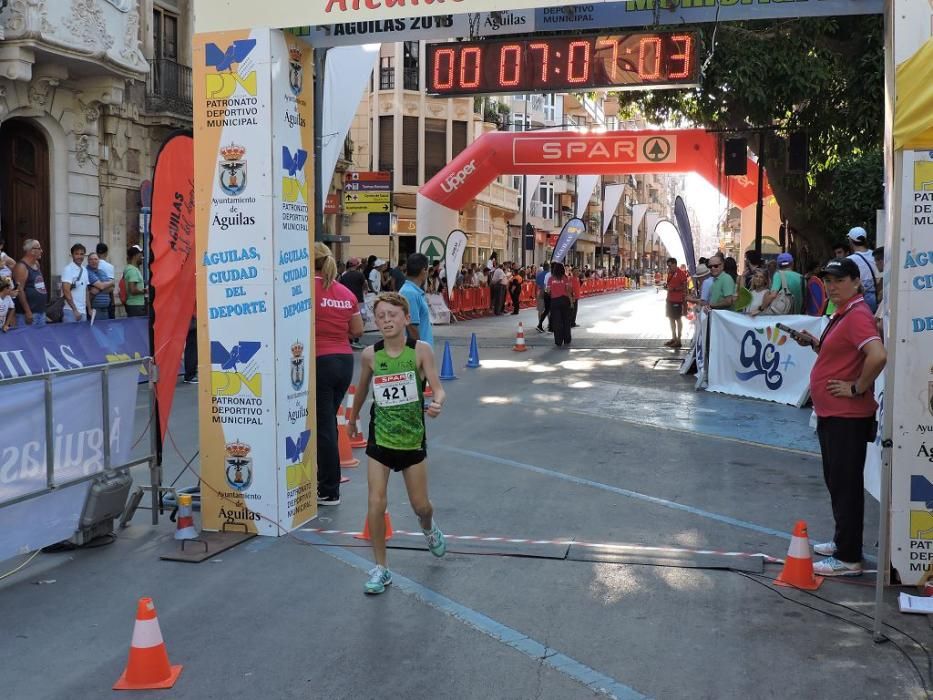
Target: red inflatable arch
{"x": 573, "y": 153}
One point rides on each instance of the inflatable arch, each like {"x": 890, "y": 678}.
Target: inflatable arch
{"x": 573, "y": 153}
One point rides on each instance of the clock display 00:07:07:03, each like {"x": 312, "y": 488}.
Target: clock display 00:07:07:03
{"x": 621, "y": 61}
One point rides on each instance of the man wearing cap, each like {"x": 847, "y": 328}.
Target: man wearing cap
{"x": 868, "y": 273}
{"x": 354, "y": 280}
{"x": 785, "y": 277}
{"x": 704, "y": 283}
{"x": 850, "y": 356}
{"x": 375, "y": 275}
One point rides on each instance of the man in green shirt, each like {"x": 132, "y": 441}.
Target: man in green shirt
{"x": 722, "y": 295}
{"x": 135, "y": 303}
{"x": 784, "y": 275}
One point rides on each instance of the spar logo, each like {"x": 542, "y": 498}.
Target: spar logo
{"x": 230, "y": 75}
{"x": 760, "y": 355}
{"x": 292, "y": 187}
{"x": 237, "y": 369}
{"x": 456, "y": 179}
{"x": 298, "y": 470}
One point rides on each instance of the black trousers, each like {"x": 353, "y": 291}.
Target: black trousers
{"x": 498, "y": 298}
{"x": 334, "y": 374}
{"x": 560, "y": 320}
{"x": 191, "y": 351}
{"x": 843, "y": 444}
{"x": 573, "y": 313}
{"x": 515, "y": 294}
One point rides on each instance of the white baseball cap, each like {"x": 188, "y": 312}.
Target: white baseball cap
{"x": 857, "y": 232}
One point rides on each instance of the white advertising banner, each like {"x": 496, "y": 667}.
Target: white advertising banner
{"x": 440, "y": 314}
{"x": 254, "y": 186}
{"x": 586, "y": 185}
{"x": 750, "y": 356}
{"x": 638, "y": 213}
{"x": 453, "y": 258}
{"x": 78, "y": 451}
{"x": 912, "y": 407}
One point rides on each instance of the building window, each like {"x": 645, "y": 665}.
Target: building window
{"x": 458, "y": 138}
{"x": 612, "y": 123}
{"x": 482, "y": 219}
{"x": 410, "y": 65}
{"x": 518, "y": 120}
{"x": 410, "y": 151}
{"x": 164, "y": 34}
{"x": 435, "y": 146}
{"x": 546, "y": 197}
{"x": 550, "y": 108}
{"x": 387, "y": 73}
{"x": 386, "y": 143}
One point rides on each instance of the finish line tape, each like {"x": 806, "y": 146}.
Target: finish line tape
{"x": 607, "y": 545}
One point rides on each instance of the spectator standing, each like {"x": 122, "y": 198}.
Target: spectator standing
{"x": 497, "y": 288}
{"x": 419, "y": 326}
{"x": 561, "y": 293}
{"x": 862, "y": 256}
{"x": 6, "y": 262}
{"x": 542, "y": 297}
{"x": 731, "y": 268}
{"x": 370, "y": 264}
{"x": 752, "y": 265}
{"x": 840, "y": 251}
{"x": 676, "y": 296}
{"x": 850, "y": 356}
{"x": 375, "y": 275}
{"x": 576, "y": 287}
{"x": 515, "y": 290}
{"x": 33, "y": 296}
{"x": 337, "y": 319}
{"x": 816, "y": 291}
{"x": 493, "y": 261}
{"x": 722, "y": 293}
{"x": 135, "y": 304}
{"x": 191, "y": 349}
{"x": 704, "y": 284}
{"x": 785, "y": 279}
{"x": 354, "y": 280}
{"x": 7, "y": 307}
{"x": 759, "y": 289}
{"x": 398, "y": 277}
{"x": 103, "y": 252}
{"x": 100, "y": 286}
{"x": 74, "y": 286}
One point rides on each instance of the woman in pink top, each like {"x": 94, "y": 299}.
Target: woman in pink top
{"x": 560, "y": 288}
{"x": 336, "y": 319}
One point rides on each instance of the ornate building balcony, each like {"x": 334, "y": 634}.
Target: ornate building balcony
{"x": 168, "y": 88}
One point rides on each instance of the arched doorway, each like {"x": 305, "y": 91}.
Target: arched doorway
{"x": 24, "y": 189}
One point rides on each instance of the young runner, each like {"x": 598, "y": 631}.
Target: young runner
{"x": 396, "y": 367}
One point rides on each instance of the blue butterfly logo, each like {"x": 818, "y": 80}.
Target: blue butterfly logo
{"x": 293, "y": 163}
{"x": 225, "y": 60}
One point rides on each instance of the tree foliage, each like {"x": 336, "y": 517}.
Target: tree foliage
{"x": 821, "y": 76}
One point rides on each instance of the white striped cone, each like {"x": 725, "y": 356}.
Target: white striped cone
{"x": 798, "y": 566}
{"x": 520, "y": 339}
{"x": 148, "y": 665}
{"x": 185, "y": 519}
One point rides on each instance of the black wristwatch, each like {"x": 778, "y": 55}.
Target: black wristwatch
{"x": 854, "y": 392}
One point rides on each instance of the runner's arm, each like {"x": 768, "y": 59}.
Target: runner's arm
{"x": 362, "y": 389}
{"x": 428, "y": 368}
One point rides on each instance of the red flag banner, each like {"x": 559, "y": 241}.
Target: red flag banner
{"x": 173, "y": 263}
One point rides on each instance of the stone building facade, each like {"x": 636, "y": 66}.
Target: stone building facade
{"x": 88, "y": 91}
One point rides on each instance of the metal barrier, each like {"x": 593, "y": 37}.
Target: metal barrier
{"x": 107, "y": 468}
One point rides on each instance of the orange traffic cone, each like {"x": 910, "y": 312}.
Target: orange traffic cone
{"x": 798, "y": 567}
{"x": 185, "y": 521}
{"x": 148, "y": 665}
{"x": 365, "y": 535}
{"x": 360, "y": 439}
{"x": 343, "y": 442}
{"x": 520, "y": 339}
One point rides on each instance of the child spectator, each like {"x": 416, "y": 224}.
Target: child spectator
{"x": 7, "y": 307}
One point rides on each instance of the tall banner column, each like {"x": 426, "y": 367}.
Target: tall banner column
{"x": 253, "y": 131}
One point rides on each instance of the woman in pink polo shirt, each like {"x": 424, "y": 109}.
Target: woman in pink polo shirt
{"x": 336, "y": 319}
{"x": 850, "y": 356}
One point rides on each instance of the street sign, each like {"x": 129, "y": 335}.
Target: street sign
{"x": 331, "y": 204}
{"x": 367, "y": 197}
{"x": 367, "y": 186}
{"x": 368, "y": 176}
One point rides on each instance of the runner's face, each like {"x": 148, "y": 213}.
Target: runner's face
{"x": 391, "y": 320}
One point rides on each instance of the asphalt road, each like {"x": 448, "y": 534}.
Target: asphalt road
{"x": 601, "y": 443}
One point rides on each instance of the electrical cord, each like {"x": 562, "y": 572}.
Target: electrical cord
{"x": 21, "y": 566}
{"x": 924, "y": 681}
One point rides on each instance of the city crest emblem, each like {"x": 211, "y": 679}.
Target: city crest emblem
{"x": 232, "y": 169}
{"x": 298, "y": 365}
{"x": 294, "y": 71}
{"x": 239, "y": 465}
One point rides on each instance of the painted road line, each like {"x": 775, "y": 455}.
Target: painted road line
{"x": 592, "y": 679}
{"x": 615, "y": 489}
{"x": 565, "y": 543}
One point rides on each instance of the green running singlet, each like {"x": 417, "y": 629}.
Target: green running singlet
{"x": 398, "y": 408}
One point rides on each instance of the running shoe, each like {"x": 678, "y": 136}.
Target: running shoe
{"x": 825, "y": 549}
{"x": 669, "y": 344}
{"x": 357, "y": 345}
{"x": 192, "y": 380}
{"x": 437, "y": 544}
{"x": 539, "y": 329}
{"x": 834, "y": 567}
{"x": 328, "y": 500}
{"x": 379, "y": 578}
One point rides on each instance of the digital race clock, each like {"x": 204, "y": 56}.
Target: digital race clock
{"x": 563, "y": 64}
